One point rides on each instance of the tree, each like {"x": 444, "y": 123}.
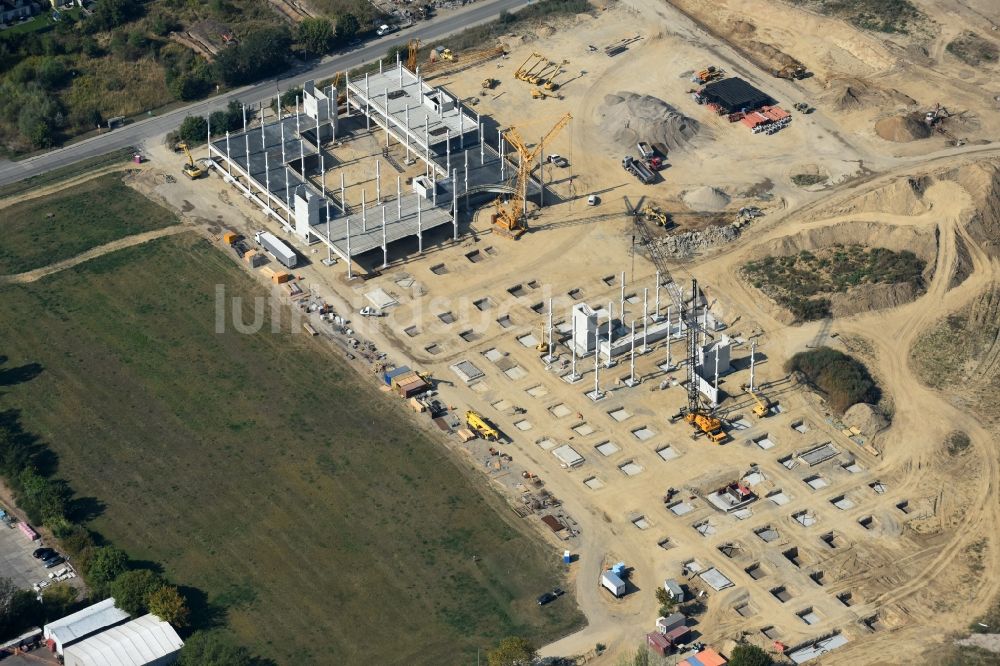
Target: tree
{"x": 316, "y": 35}
{"x": 167, "y": 604}
{"x": 111, "y": 13}
{"x": 745, "y": 654}
{"x": 348, "y": 26}
{"x": 512, "y": 651}
{"x": 261, "y": 53}
{"x": 105, "y": 564}
{"x": 667, "y": 603}
{"x": 210, "y": 648}
{"x": 194, "y": 130}
{"x": 18, "y": 609}
{"x": 133, "y": 589}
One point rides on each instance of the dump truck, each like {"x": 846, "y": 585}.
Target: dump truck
{"x": 638, "y": 169}
{"x": 276, "y": 248}
{"x": 481, "y": 426}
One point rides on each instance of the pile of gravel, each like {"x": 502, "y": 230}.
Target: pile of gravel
{"x": 628, "y": 118}
{"x": 706, "y": 198}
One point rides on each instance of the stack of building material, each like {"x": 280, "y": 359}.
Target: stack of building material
{"x": 229, "y": 238}
{"x": 254, "y": 258}
{"x": 409, "y": 384}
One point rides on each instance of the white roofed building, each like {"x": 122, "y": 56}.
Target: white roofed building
{"x": 145, "y": 641}
{"x": 81, "y": 624}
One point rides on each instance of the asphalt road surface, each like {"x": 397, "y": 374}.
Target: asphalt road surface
{"x": 134, "y": 134}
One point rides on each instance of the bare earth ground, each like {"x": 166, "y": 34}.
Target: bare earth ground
{"x": 929, "y": 564}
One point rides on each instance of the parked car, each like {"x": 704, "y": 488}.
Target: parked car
{"x": 57, "y": 560}
{"x": 558, "y": 160}
{"x": 546, "y": 598}
{"x": 43, "y": 553}
{"x": 593, "y": 200}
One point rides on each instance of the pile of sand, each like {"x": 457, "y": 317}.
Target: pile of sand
{"x": 851, "y": 94}
{"x": 705, "y": 198}
{"x": 629, "y": 117}
{"x": 902, "y": 129}
{"x": 866, "y": 418}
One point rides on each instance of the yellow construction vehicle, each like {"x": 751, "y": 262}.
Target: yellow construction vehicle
{"x": 655, "y": 214}
{"x": 762, "y": 407}
{"x": 708, "y": 424}
{"x": 481, "y": 426}
{"x": 539, "y": 77}
{"x": 191, "y": 170}
{"x": 551, "y": 83}
{"x": 538, "y": 93}
{"x": 525, "y": 73}
{"x": 508, "y": 220}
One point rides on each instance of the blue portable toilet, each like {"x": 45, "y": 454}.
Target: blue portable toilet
{"x": 567, "y": 558}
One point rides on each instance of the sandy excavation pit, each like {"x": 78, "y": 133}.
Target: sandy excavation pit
{"x": 876, "y": 190}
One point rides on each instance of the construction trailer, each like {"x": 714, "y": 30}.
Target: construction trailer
{"x": 277, "y": 249}
{"x": 612, "y": 583}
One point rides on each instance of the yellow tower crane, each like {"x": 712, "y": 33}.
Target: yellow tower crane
{"x": 508, "y": 220}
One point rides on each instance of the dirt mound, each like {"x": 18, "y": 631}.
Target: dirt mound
{"x": 706, "y": 198}
{"x": 872, "y": 297}
{"x": 852, "y": 94}
{"x": 900, "y": 197}
{"x": 743, "y": 28}
{"x": 902, "y": 129}
{"x": 982, "y": 182}
{"x": 920, "y": 242}
{"x": 866, "y": 418}
{"x": 775, "y": 56}
{"x": 629, "y": 117}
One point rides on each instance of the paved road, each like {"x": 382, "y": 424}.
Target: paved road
{"x": 134, "y": 134}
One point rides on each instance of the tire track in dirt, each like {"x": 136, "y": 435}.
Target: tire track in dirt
{"x": 93, "y": 253}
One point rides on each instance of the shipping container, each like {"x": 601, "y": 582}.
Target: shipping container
{"x": 277, "y": 249}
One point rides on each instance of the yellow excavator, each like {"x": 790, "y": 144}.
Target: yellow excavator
{"x": 481, "y": 426}
{"x": 191, "y": 170}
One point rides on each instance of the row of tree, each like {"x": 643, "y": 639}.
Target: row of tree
{"x": 27, "y": 465}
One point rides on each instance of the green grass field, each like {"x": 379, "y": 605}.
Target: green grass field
{"x": 40, "y": 232}
{"x": 312, "y": 517}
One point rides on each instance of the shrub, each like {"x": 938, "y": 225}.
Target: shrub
{"x": 167, "y": 604}
{"x": 133, "y": 589}
{"x": 843, "y": 379}
{"x": 194, "y": 130}
{"x": 745, "y": 654}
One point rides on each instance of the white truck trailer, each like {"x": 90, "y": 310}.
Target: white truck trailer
{"x": 612, "y": 583}
{"x": 277, "y": 248}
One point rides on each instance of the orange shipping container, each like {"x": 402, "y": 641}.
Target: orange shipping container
{"x": 281, "y": 278}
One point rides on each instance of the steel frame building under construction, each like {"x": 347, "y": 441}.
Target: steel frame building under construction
{"x": 282, "y": 164}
